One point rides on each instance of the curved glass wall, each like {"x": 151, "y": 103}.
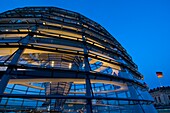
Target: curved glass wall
{"x": 55, "y": 60}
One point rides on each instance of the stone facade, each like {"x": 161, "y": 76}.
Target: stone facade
{"x": 161, "y": 95}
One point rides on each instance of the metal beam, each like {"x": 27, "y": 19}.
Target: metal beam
{"x": 6, "y": 77}
{"x": 72, "y": 97}
{"x": 28, "y": 85}
{"x": 37, "y": 72}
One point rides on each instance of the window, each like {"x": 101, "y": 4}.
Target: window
{"x": 159, "y": 99}
{"x": 169, "y": 97}
{"x": 155, "y": 99}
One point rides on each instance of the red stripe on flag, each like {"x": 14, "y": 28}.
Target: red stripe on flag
{"x": 159, "y": 74}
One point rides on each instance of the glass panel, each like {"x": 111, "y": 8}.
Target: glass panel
{"x": 45, "y": 59}
{"x": 5, "y": 54}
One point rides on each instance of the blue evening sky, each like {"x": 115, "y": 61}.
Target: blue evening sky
{"x": 141, "y": 26}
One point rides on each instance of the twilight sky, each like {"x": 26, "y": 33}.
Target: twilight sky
{"x": 141, "y": 26}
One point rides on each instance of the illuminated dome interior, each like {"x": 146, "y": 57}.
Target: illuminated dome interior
{"x": 53, "y": 59}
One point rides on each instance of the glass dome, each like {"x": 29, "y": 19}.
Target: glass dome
{"x": 55, "y": 60}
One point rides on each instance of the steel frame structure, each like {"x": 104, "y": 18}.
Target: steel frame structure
{"x": 55, "y": 60}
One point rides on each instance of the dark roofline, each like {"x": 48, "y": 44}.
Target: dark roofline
{"x": 159, "y": 89}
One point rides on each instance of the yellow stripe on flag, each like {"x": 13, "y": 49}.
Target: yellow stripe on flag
{"x": 159, "y": 74}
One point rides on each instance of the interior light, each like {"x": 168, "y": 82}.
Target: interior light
{"x": 70, "y": 65}
{"x": 52, "y": 63}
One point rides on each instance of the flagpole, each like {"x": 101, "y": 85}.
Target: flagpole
{"x": 160, "y": 82}
{"x": 159, "y": 75}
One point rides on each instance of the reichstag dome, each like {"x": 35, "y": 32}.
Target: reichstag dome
{"x": 55, "y": 60}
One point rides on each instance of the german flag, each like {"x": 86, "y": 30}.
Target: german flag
{"x": 159, "y": 74}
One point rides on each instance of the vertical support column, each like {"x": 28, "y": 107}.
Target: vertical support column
{"x": 88, "y": 89}
{"x": 6, "y": 77}
{"x": 87, "y": 69}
